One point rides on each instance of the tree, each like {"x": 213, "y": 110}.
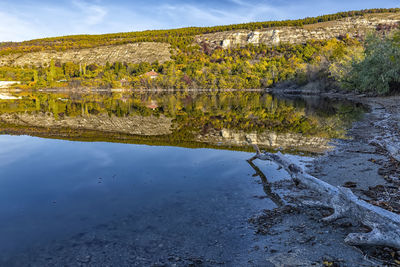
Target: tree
{"x": 51, "y": 74}
{"x": 379, "y": 72}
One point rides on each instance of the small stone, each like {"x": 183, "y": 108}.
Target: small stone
{"x": 350, "y": 184}
{"x": 84, "y": 259}
{"x": 386, "y": 249}
{"x": 346, "y": 225}
{"x": 327, "y": 259}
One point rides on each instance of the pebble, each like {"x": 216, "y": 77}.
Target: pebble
{"x": 84, "y": 259}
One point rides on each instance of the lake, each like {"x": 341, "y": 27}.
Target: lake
{"x": 147, "y": 178}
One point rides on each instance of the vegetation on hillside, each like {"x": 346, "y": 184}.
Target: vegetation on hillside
{"x": 178, "y": 38}
{"x": 239, "y": 68}
{"x": 378, "y": 71}
{"x": 344, "y": 62}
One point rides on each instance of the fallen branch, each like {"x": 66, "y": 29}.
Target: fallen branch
{"x": 390, "y": 147}
{"x": 393, "y": 150}
{"x": 385, "y": 225}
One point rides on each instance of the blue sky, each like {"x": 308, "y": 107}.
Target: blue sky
{"x": 24, "y": 20}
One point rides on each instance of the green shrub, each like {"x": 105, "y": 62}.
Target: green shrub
{"x": 379, "y": 71}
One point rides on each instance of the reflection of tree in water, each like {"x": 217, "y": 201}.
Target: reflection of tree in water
{"x": 323, "y": 106}
{"x": 201, "y": 112}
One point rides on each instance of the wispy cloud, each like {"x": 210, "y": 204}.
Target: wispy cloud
{"x": 92, "y": 14}
{"x": 195, "y": 16}
{"x": 241, "y": 3}
{"x": 15, "y": 28}
{"x": 241, "y": 11}
{"x": 25, "y": 19}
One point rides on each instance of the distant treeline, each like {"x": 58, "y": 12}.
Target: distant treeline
{"x": 178, "y": 38}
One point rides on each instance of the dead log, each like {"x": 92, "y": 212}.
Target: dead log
{"x": 385, "y": 225}
{"x": 394, "y": 150}
{"x": 390, "y": 146}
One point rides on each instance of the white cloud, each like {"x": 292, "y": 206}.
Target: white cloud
{"x": 22, "y": 20}
{"x": 193, "y": 15}
{"x": 13, "y": 27}
{"x": 92, "y": 14}
{"x": 241, "y": 11}
{"x": 241, "y": 3}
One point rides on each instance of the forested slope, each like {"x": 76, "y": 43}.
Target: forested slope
{"x": 241, "y": 56}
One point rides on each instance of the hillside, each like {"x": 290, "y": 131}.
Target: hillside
{"x": 354, "y": 27}
{"x": 150, "y": 46}
{"x": 133, "y": 53}
{"x": 241, "y": 56}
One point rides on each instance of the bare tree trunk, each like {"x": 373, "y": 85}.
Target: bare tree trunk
{"x": 385, "y": 225}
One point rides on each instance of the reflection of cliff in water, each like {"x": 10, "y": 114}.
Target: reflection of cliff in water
{"x": 135, "y": 125}
{"x": 213, "y": 119}
{"x": 267, "y": 139}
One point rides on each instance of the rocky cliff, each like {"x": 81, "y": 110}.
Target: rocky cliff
{"x": 353, "y": 26}
{"x": 157, "y": 51}
{"x": 132, "y": 53}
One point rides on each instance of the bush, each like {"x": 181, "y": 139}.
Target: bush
{"x": 379, "y": 71}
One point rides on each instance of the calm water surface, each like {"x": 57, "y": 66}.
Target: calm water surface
{"x": 78, "y": 201}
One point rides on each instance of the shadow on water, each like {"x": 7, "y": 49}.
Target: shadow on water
{"x": 266, "y": 185}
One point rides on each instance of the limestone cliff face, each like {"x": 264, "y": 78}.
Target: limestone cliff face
{"x": 135, "y": 125}
{"x": 154, "y": 51}
{"x": 354, "y": 27}
{"x": 130, "y": 53}
{"x": 268, "y": 139}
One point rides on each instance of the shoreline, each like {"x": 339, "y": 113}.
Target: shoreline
{"x": 358, "y": 163}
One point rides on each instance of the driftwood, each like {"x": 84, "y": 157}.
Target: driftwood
{"x": 385, "y": 225}
{"x": 393, "y": 150}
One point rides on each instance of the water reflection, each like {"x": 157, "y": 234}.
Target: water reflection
{"x": 230, "y": 120}
{"x": 60, "y": 196}
{"x": 266, "y": 184}
{"x": 120, "y": 204}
